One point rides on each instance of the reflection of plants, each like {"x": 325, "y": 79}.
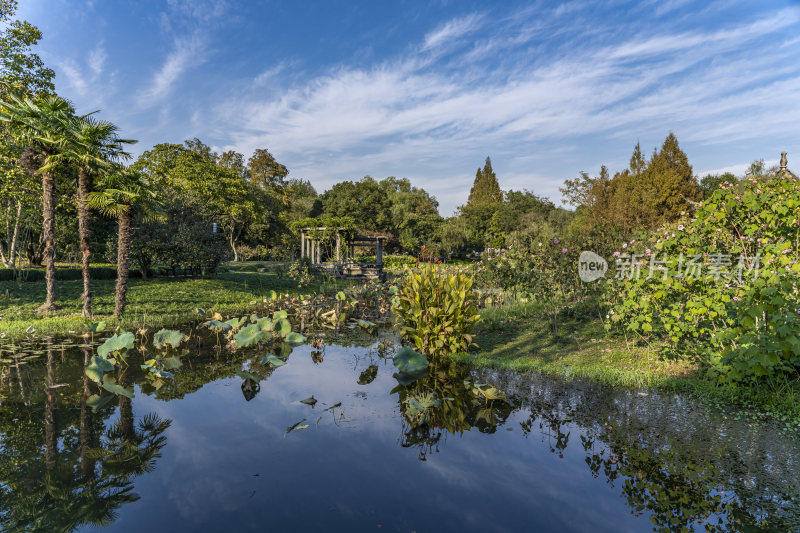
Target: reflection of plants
{"x": 437, "y": 311}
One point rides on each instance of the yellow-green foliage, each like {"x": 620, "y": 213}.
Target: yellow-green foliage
{"x": 437, "y": 311}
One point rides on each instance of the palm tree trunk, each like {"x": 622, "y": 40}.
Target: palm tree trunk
{"x": 87, "y": 464}
{"x": 51, "y": 437}
{"x": 84, "y": 182}
{"x": 123, "y": 259}
{"x": 49, "y": 231}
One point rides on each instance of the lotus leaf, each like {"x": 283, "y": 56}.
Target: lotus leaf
{"x": 273, "y": 361}
{"x": 282, "y": 327}
{"x": 168, "y": 337}
{"x": 97, "y": 367}
{"x": 249, "y": 335}
{"x": 115, "y": 388}
{"x": 295, "y": 338}
{"x": 96, "y": 402}
{"x": 116, "y": 343}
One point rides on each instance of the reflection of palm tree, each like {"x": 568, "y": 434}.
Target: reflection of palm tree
{"x": 50, "y": 433}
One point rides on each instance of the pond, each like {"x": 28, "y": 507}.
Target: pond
{"x": 211, "y": 451}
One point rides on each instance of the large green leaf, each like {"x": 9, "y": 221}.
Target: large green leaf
{"x": 96, "y": 402}
{"x": 249, "y": 335}
{"x": 244, "y": 374}
{"x": 273, "y": 361}
{"x": 156, "y": 372}
{"x": 295, "y": 338}
{"x": 282, "y": 327}
{"x": 408, "y": 360}
{"x": 171, "y": 363}
{"x": 216, "y": 325}
{"x": 116, "y": 343}
{"x": 96, "y": 327}
{"x": 168, "y": 337}
{"x": 97, "y": 367}
{"x": 277, "y": 315}
{"x": 118, "y": 389}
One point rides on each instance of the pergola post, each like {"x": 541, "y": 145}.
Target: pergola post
{"x": 302, "y": 244}
{"x": 379, "y": 251}
{"x": 338, "y": 245}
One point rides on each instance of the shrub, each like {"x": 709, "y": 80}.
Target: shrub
{"x": 738, "y": 312}
{"x": 437, "y": 311}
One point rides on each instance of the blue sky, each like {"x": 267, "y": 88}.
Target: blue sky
{"x": 426, "y": 90}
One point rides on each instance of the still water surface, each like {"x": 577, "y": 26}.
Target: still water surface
{"x": 205, "y": 454}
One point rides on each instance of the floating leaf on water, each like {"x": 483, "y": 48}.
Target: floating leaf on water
{"x": 116, "y": 343}
{"x": 97, "y": 367}
{"x": 168, "y": 337}
{"x": 296, "y": 425}
{"x": 96, "y": 402}
{"x": 367, "y": 325}
{"x": 171, "y": 363}
{"x": 273, "y": 361}
{"x": 368, "y": 375}
{"x": 295, "y": 338}
{"x": 118, "y": 389}
{"x": 249, "y": 335}
{"x": 309, "y": 401}
{"x": 282, "y": 327}
{"x": 156, "y": 372}
{"x": 408, "y": 360}
{"x": 488, "y": 392}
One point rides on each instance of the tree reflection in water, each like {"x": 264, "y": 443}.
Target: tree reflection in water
{"x": 75, "y": 472}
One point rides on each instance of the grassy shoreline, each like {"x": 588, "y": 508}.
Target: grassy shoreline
{"x": 522, "y": 342}
{"x": 154, "y": 303}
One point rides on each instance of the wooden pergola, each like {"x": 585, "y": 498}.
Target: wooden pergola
{"x": 341, "y": 262}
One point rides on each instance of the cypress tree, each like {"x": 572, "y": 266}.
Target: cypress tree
{"x": 485, "y": 189}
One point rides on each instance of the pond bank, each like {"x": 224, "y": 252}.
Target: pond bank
{"x": 517, "y": 340}
{"x": 155, "y": 302}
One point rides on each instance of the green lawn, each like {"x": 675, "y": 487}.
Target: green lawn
{"x": 519, "y": 340}
{"x": 153, "y": 302}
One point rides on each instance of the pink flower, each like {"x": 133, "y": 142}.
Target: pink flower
{"x": 680, "y": 227}
{"x": 735, "y": 298}
{"x": 555, "y": 241}
{"x": 616, "y": 254}
{"x": 563, "y": 251}
{"x": 624, "y": 244}
{"x": 647, "y": 251}
{"x": 540, "y": 244}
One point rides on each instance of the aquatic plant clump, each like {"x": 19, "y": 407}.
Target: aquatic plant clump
{"x": 437, "y": 311}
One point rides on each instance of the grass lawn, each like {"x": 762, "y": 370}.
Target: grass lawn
{"x": 521, "y": 341}
{"x": 156, "y": 302}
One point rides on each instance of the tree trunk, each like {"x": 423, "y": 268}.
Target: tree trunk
{"x": 15, "y": 238}
{"x": 126, "y": 426}
{"x": 50, "y": 435}
{"x": 49, "y": 231}
{"x": 84, "y": 231}
{"x": 87, "y": 464}
{"x": 124, "y": 259}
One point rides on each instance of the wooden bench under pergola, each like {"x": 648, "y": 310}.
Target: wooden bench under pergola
{"x": 339, "y": 260}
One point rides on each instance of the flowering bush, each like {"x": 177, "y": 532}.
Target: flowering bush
{"x": 548, "y": 272}
{"x": 732, "y": 299}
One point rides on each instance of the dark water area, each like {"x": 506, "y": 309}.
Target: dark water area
{"x": 210, "y": 451}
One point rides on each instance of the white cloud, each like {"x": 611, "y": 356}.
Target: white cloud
{"x": 97, "y": 59}
{"x": 186, "y": 53}
{"x": 75, "y": 78}
{"x": 419, "y": 117}
{"x": 451, "y": 31}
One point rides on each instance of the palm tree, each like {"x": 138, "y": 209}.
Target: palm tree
{"x": 92, "y": 146}
{"x": 41, "y": 125}
{"x": 126, "y": 194}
